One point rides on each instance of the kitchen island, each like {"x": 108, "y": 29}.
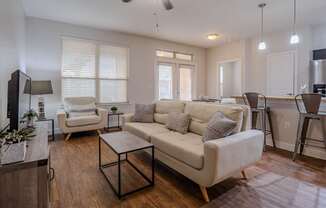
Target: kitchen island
{"x": 285, "y": 120}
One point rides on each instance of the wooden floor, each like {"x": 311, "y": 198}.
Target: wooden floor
{"x": 79, "y": 183}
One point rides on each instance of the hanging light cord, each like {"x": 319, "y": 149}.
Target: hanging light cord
{"x": 262, "y": 23}
{"x": 294, "y": 15}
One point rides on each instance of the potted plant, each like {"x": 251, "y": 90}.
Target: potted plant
{"x": 114, "y": 109}
{"x": 30, "y": 116}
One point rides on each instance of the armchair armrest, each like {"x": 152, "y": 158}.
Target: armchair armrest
{"x": 127, "y": 118}
{"x": 61, "y": 115}
{"x": 227, "y": 155}
{"x": 103, "y": 113}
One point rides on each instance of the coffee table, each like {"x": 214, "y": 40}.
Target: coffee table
{"x": 122, "y": 143}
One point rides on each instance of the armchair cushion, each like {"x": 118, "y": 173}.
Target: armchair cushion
{"x": 83, "y": 120}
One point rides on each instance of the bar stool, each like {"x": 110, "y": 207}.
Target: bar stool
{"x": 308, "y": 107}
{"x": 252, "y": 99}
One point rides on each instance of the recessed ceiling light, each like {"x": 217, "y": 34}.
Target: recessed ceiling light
{"x": 212, "y": 36}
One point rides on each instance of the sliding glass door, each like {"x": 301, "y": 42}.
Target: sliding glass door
{"x": 175, "y": 81}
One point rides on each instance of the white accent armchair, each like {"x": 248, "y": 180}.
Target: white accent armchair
{"x": 81, "y": 114}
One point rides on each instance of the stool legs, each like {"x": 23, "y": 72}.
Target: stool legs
{"x": 254, "y": 119}
{"x": 299, "y": 134}
{"x": 304, "y": 134}
{"x": 271, "y": 126}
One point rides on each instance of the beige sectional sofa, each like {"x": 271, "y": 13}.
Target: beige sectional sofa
{"x": 204, "y": 163}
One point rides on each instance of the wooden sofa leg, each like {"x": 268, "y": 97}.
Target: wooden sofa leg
{"x": 243, "y": 175}
{"x": 68, "y": 137}
{"x": 98, "y": 132}
{"x": 204, "y": 193}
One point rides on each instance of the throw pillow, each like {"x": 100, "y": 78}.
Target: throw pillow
{"x": 144, "y": 113}
{"x": 178, "y": 122}
{"x": 218, "y": 126}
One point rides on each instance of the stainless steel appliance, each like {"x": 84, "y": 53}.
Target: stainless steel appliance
{"x": 318, "y": 72}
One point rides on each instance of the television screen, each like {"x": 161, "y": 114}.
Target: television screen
{"x": 19, "y": 98}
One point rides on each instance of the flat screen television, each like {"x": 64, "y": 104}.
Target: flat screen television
{"x": 19, "y": 98}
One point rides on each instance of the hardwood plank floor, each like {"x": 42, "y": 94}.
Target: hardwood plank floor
{"x": 79, "y": 183}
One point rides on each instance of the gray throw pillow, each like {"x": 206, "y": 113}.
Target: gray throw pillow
{"x": 178, "y": 122}
{"x": 144, "y": 113}
{"x": 218, "y": 127}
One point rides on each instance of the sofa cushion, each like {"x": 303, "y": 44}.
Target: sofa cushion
{"x": 201, "y": 113}
{"x": 178, "y": 122}
{"x": 83, "y": 120}
{"x": 187, "y": 148}
{"x": 218, "y": 127}
{"x": 163, "y": 108}
{"x": 144, "y": 130}
{"x": 144, "y": 113}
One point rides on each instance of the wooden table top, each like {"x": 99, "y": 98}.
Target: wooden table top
{"x": 123, "y": 142}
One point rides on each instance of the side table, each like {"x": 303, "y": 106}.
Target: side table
{"x": 112, "y": 114}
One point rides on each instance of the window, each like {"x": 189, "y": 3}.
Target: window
{"x": 97, "y": 70}
{"x": 165, "y": 54}
{"x": 174, "y": 55}
{"x": 165, "y": 81}
{"x": 185, "y": 82}
{"x": 221, "y": 80}
{"x": 175, "y": 81}
{"x": 182, "y": 56}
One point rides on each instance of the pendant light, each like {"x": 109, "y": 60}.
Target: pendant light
{"x": 262, "y": 44}
{"x": 157, "y": 26}
{"x": 294, "y": 37}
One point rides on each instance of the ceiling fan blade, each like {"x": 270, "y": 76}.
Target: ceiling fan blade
{"x": 167, "y": 4}
{"x": 126, "y": 1}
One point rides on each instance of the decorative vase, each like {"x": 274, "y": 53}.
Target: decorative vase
{"x": 30, "y": 122}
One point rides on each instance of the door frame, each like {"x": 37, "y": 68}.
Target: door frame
{"x": 295, "y": 70}
{"x": 218, "y": 74}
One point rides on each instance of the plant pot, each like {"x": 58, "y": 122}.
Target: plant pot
{"x": 30, "y": 122}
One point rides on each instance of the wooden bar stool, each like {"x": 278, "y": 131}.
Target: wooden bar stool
{"x": 253, "y": 99}
{"x": 308, "y": 107}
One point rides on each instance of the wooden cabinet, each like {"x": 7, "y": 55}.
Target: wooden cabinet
{"x": 26, "y": 184}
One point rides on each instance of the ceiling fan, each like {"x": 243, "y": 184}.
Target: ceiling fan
{"x": 166, "y": 3}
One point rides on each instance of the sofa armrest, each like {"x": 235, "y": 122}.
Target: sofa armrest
{"x": 127, "y": 118}
{"x": 103, "y": 113}
{"x": 61, "y": 115}
{"x": 227, "y": 155}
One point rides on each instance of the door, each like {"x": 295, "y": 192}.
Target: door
{"x": 281, "y": 73}
{"x": 175, "y": 81}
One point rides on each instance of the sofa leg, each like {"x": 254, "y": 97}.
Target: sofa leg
{"x": 98, "y": 132}
{"x": 243, "y": 175}
{"x": 204, "y": 193}
{"x": 68, "y": 137}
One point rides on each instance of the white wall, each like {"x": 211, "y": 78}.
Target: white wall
{"x": 254, "y": 62}
{"x": 12, "y": 47}
{"x": 44, "y": 59}
{"x": 227, "y": 52}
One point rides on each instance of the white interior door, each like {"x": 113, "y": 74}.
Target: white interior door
{"x": 281, "y": 73}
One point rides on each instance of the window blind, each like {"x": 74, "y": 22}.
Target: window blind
{"x": 97, "y": 70}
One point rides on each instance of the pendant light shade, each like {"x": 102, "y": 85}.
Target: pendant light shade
{"x": 294, "y": 37}
{"x": 262, "y": 44}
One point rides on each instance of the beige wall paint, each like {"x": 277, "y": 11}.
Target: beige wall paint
{"x": 44, "y": 59}
{"x": 227, "y": 52}
{"x": 12, "y": 48}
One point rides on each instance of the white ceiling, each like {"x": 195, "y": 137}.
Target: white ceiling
{"x": 189, "y": 22}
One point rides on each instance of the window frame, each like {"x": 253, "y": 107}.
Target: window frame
{"x": 97, "y": 79}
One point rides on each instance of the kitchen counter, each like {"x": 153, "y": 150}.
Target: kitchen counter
{"x": 285, "y": 118}
{"x": 285, "y": 98}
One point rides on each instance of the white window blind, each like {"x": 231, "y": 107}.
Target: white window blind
{"x": 113, "y": 74}
{"x": 97, "y": 70}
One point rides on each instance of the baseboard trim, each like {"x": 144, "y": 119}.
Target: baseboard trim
{"x": 308, "y": 151}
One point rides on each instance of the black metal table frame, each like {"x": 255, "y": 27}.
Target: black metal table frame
{"x": 114, "y": 114}
{"x": 118, "y": 163}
